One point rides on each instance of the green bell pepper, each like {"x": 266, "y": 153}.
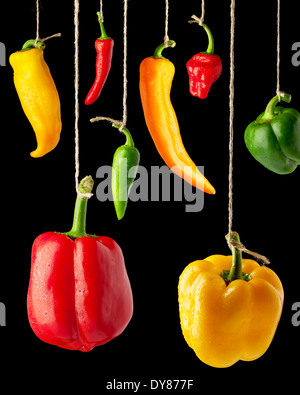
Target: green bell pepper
{"x": 273, "y": 139}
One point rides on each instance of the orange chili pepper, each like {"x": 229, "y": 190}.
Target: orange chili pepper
{"x": 156, "y": 76}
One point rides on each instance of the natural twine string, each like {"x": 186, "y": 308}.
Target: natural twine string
{"x": 278, "y": 92}
{"x": 124, "y": 118}
{"x": 231, "y": 116}
{"x": 76, "y": 82}
{"x": 113, "y": 121}
{"x": 37, "y": 38}
{"x": 37, "y": 22}
{"x": 200, "y": 20}
{"x": 101, "y": 11}
{"x": 232, "y": 243}
{"x": 166, "y": 37}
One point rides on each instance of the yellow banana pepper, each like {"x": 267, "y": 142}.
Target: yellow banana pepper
{"x": 38, "y": 95}
{"x": 229, "y": 308}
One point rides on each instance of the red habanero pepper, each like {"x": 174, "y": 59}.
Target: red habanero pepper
{"x": 79, "y": 294}
{"x": 204, "y": 68}
{"x": 104, "y": 48}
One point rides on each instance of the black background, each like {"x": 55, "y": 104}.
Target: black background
{"x": 158, "y": 239}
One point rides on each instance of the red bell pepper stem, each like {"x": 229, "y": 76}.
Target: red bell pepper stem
{"x": 79, "y": 220}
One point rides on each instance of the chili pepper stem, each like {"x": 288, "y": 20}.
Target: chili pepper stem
{"x": 158, "y": 51}
{"x": 129, "y": 139}
{"x": 79, "y": 220}
{"x": 269, "y": 112}
{"x": 211, "y": 44}
{"x": 31, "y": 44}
{"x": 104, "y": 35}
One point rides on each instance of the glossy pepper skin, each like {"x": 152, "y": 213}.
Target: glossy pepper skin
{"x": 273, "y": 139}
{"x": 38, "y": 96}
{"x": 204, "y": 69}
{"x": 124, "y": 168}
{"x": 104, "y": 48}
{"x": 156, "y": 76}
{"x": 229, "y": 308}
{"x": 79, "y": 294}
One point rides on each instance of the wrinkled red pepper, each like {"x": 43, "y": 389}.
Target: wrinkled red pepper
{"x": 104, "y": 48}
{"x": 79, "y": 293}
{"x": 204, "y": 69}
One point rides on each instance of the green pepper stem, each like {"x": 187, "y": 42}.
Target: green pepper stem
{"x": 129, "y": 139}
{"x": 104, "y": 35}
{"x": 31, "y": 44}
{"x": 79, "y": 219}
{"x": 211, "y": 43}
{"x": 158, "y": 51}
{"x": 235, "y": 272}
{"x": 269, "y": 112}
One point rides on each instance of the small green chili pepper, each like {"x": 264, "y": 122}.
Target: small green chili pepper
{"x": 273, "y": 139}
{"x": 124, "y": 168}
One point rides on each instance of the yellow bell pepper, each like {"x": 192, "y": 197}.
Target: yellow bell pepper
{"x": 229, "y": 308}
{"x": 38, "y": 96}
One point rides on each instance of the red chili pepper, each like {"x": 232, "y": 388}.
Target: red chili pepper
{"x": 79, "y": 293}
{"x": 104, "y": 48}
{"x": 204, "y": 69}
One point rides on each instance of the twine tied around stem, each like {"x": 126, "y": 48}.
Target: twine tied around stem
{"x": 238, "y": 245}
{"x": 42, "y": 40}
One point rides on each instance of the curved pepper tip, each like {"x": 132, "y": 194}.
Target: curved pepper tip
{"x": 45, "y": 148}
{"x": 210, "y": 190}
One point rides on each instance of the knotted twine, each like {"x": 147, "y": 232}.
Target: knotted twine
{"x": 37, "y": 38}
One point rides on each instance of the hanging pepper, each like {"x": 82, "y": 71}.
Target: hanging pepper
{"x": 79, "y": 294}
{"x": 38, "y": 95}
{"x": 273, "y": 139}
{"x": 229, "y": 308}
{"x": 156, "y": 76}
{"x": 204, "y": 68}
{"x": 124, "y": 168}
{"x": 104, "y": 48}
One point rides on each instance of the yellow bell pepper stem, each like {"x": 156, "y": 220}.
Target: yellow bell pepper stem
{"x": 236, "y": 267}
{"x": 38, "y": 95}
{"x": 235, "y": 272}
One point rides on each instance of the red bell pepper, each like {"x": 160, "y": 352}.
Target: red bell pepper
{"x": 204, "y": 69}
{"x": 104, "y": 48}
{"x": 79, "y": 293}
